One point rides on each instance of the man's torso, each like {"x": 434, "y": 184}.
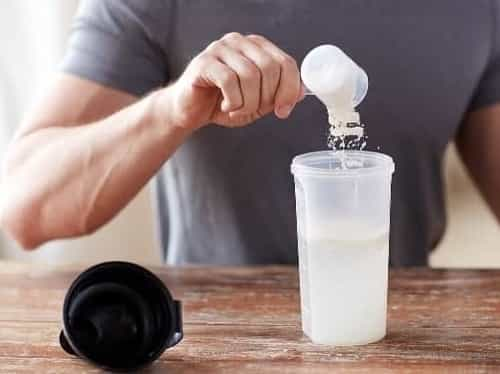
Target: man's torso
{"x": 226, "y": 196}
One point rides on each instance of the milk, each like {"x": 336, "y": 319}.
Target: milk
{"x": 343, "y": 283}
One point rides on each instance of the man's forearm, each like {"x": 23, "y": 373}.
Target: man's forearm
{"x": 63, "y": 180}
{"x": 68, "y": 181}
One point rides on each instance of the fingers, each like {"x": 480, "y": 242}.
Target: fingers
{"x": 289, "y": 88}
{"x": 248, "y": 74}
{"x": 269, "y": 68}
{"x": 254, "y": 76}
{"x": 226, "y": 79}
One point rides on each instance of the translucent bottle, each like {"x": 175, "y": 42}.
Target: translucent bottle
{"x": 339, "y": 83}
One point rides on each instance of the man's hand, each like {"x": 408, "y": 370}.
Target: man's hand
{"x": 235, "y": 81}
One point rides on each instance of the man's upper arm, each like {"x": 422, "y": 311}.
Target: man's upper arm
{"x": 114, "y": 55}
{"x": 479, "y": 136}
{"x": 478, "y": 144}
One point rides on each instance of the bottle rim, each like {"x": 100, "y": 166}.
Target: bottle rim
{"x": 326, "y": 164}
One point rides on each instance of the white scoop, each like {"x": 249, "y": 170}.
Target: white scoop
{"x": 336, "y": 80}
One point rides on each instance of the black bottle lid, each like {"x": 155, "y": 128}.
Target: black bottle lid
{"x": 120, "y": 317}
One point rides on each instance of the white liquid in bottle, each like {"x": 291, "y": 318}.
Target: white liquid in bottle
{"x": 344, "y": 283}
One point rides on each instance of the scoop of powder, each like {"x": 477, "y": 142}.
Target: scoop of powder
{"x": 334, "y": 78}
{"x": 330, "y": 74}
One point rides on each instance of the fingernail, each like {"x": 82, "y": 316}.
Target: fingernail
{"x": 284, "y": 111}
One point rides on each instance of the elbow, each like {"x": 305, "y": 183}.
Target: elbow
{"x": 22, "y": 218}
{"x": 21, "y": 207}
{"x": 28, "y": 211}
{"x": 16, "y": 212}
{"x": 20, "y": 224}
{"x": 19, "y": 214}
{"x": 27, "y": 243}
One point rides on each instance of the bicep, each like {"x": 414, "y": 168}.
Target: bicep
{"x": 73, "y": 101}
{"x": 112, "y": 59}
{"x": 477, "y": 143}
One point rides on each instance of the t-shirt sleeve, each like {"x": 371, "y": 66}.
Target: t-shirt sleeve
{"x": 118, "y": 43}
{"x": 488, "y": 90}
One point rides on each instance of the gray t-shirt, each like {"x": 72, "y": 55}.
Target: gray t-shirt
{"x": 226, "y": 196}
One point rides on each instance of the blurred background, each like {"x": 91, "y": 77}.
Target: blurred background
{"x": 33, "y": 39}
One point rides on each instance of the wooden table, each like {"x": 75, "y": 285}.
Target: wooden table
{"x": 246, "y": 320}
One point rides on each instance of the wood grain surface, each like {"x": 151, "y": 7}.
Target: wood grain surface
{"x": 246, "y": 320}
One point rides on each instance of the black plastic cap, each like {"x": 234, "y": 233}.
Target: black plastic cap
{"x": 120, "y": 317}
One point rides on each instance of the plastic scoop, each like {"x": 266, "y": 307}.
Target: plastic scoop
{"x": 339, "y": 83}
{"x": 327, "y": 72}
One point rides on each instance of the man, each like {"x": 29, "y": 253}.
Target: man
{"x": 225, "y": 195}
